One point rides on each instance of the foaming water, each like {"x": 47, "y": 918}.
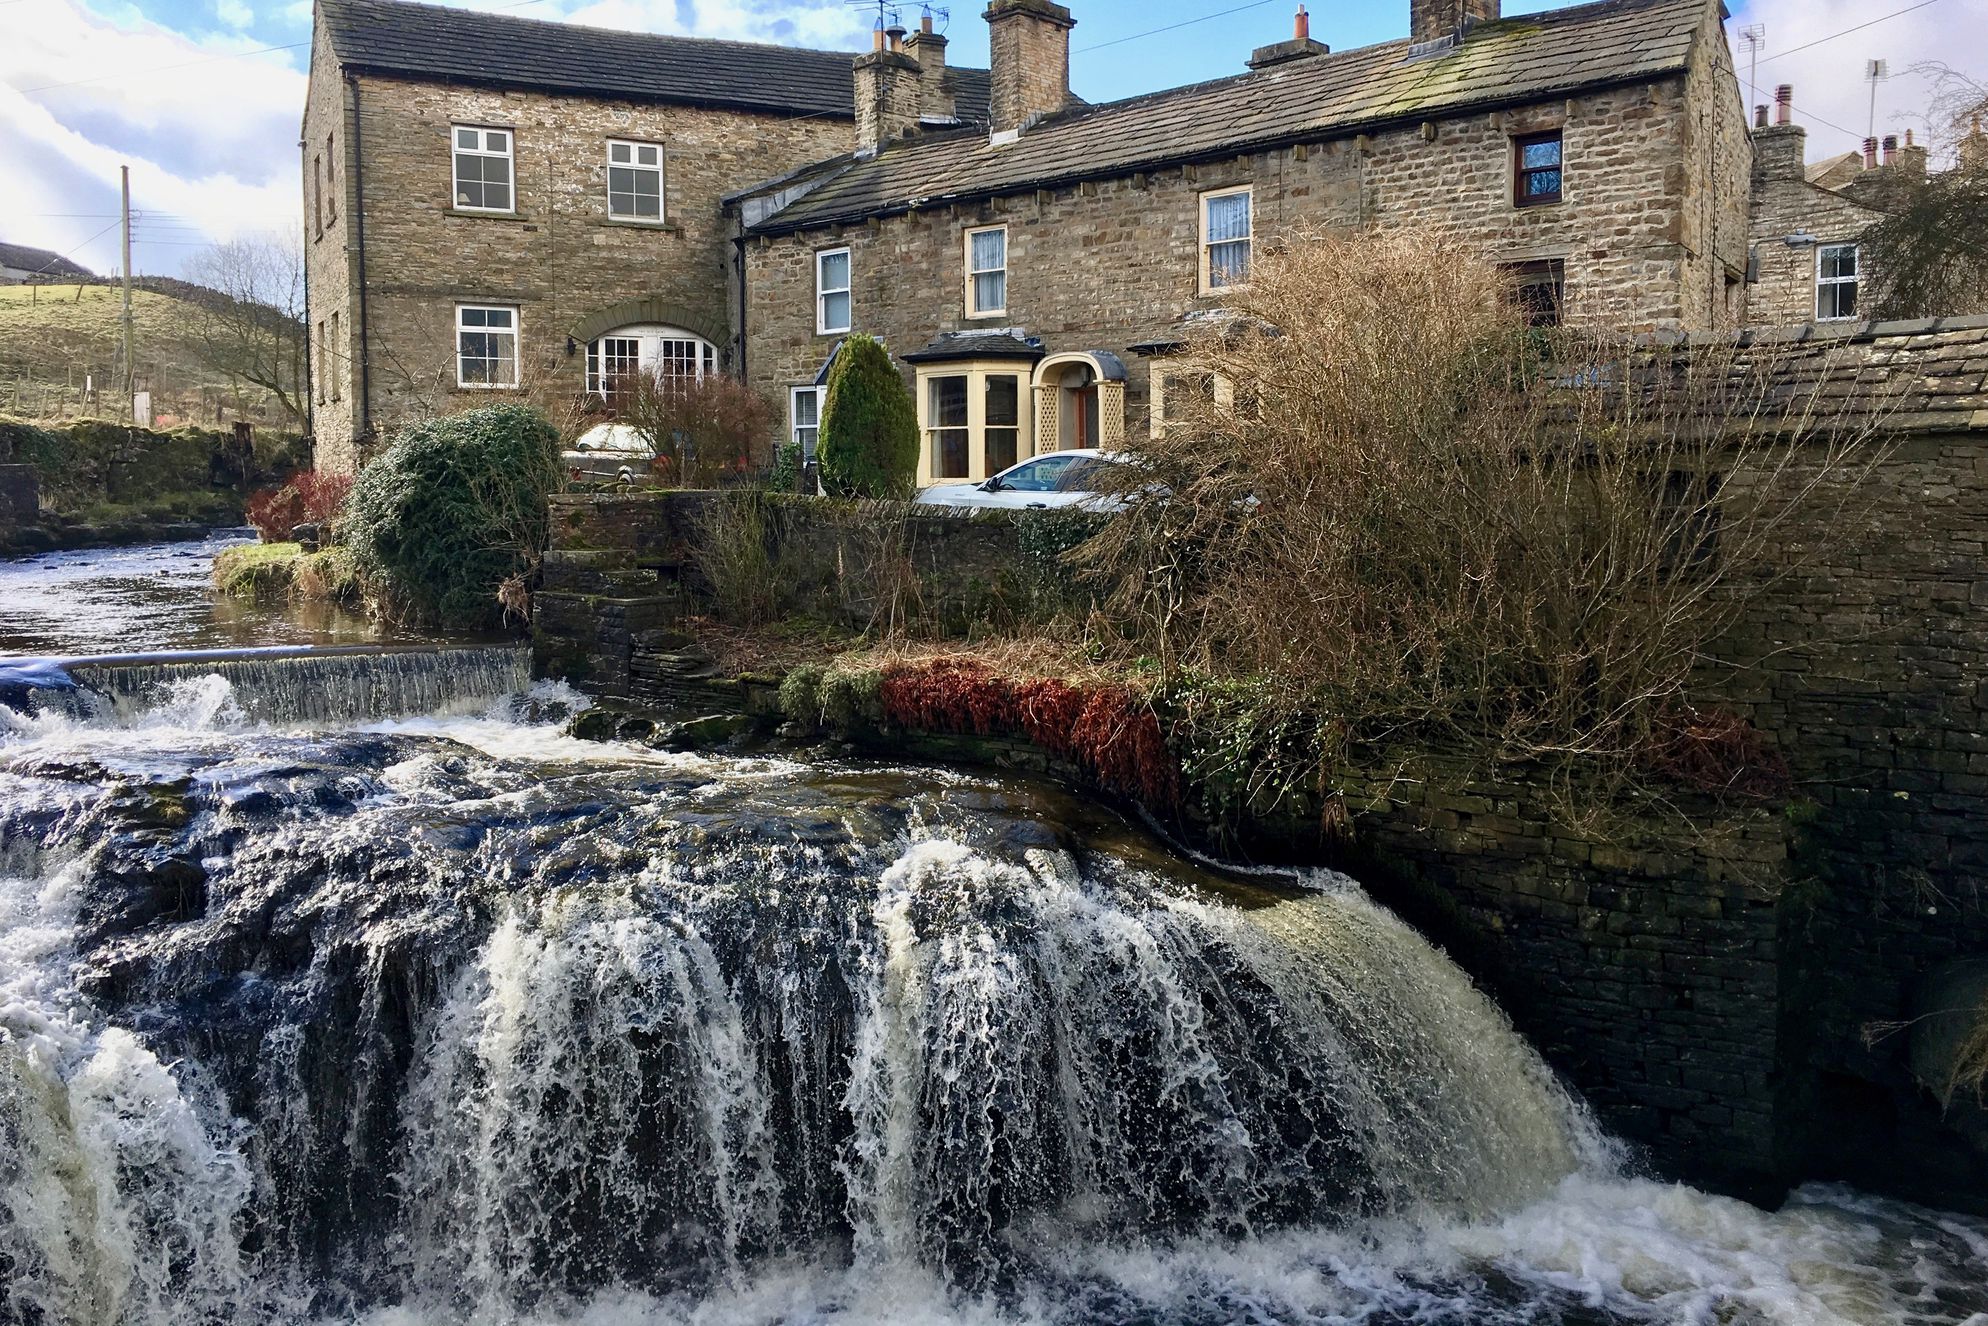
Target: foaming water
{"x": 448, "y": 1019}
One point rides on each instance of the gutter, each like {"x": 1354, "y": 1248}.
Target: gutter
{"x": 358, "y": 218}
{"x": 739, "y": 333}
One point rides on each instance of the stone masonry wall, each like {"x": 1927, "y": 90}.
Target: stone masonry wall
{"x": 1110, "y": 264}
{"x": 1784, "y": 204}
{"x": 560, "y": 259}
{"x": 330, "y": 259}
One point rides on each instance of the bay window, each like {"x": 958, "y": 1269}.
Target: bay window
{"x": 668, "y": 355}
{"x": 974, "y": 421}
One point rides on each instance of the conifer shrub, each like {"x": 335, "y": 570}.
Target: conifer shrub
{"x": 869, "y": 427}
{"x": 451, "y": 509}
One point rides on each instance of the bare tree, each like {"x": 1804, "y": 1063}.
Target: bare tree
{"x": 252, "y": 329}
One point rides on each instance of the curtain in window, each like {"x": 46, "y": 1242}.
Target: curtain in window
{"x": 1228, "y": 239}
{"x": 989, "y": 255}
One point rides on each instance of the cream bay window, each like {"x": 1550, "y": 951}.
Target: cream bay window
{"x": 1225, "y": 239}
{"x": 973, "y": 419}
{"x": 1179, "y": 390}
{"x": 482, "y": 169}
{"x": 987, "y": 272}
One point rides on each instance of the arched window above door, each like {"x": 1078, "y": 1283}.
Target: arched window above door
{"x": 667, "y": 354}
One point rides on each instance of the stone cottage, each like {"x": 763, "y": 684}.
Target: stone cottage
{"x": 497, "y": 204}
{"x": 1032, "y": 274}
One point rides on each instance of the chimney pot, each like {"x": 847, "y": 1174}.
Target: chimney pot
{"x": 1870, "y": 154}
{"x": 877, "y": 39}
{"x": 1784, "y": 100}
{"x": 895, "y": 32}
{"x": 1890, "y": 148}
{"x": 928, "y": 48}
{"x": 1301, "y": 26}
{"x": 925, "y": 24}
{"x": 1760, "y": 116}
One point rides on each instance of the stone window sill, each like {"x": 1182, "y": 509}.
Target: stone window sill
{"x": 473, "y": 215}
{"x": 635, "y": 223}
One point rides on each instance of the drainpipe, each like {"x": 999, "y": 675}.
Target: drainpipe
{"x": 739, "y": 340}
{"x": 358, "y": 219}
{"x": 310, "y": 360}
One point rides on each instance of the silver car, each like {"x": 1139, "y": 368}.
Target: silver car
{"x": 1084, "y": 477}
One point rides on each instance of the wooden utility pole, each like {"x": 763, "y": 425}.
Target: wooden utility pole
{"x": 130, "y": 377}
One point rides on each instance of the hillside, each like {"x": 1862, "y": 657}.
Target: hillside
{"x": 55, "y": 337}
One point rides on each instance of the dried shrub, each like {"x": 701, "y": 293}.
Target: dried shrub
{"x": 1106, "y": 730}
{"x": 734, "y": 550}
{"x": 1715, "y": 750}
{"x": 1453, "y": 531}
{"x": 702, "y": 432}
{"x": 274, "y": 512}
{"x": 321, "y": 495}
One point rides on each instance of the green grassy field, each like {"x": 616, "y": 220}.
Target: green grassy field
{"x": 53, "y": 337}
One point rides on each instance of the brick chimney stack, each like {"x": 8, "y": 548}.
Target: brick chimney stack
{"x": 1780, "y": 149}
{"x": 1432, "y": 20}
{"x": 928, "y": 48}
{"x": 1029, "y": 51}
{"x": 1974, "y": 148}
{"x": 1912, "y": 157}
{"x": 1300, "y": 46}
{"x": 889, "y": 93}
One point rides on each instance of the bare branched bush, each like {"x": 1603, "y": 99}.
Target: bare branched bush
{"x": 734, "y": 550}
{"x": 1408, "y": 514}
{"x": 701, "y": 431}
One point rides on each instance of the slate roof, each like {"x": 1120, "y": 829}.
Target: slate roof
{"x": 1927, "y": 373}
{"x": 992, "y": 343}
{"x": 500, "y": 50}
{"x": 40, "y": 262}
{"x": 1512, "y": 60}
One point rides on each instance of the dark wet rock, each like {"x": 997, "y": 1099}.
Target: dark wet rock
{"x": 711, "y": 732}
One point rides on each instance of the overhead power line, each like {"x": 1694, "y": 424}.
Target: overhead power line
{"x": 1184, "y": 23}
{"x": 1847, "y": 31}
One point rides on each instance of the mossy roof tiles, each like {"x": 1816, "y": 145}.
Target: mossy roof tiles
{"x": 1512, "y": 60}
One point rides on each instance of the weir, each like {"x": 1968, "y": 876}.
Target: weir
{"x": 283, "y": 684}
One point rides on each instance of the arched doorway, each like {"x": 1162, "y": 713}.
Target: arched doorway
{"x": 665, "y": 354}
{"x": 1079, "y": 401}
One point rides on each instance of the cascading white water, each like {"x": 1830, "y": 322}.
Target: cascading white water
{"x": 439, "y": 1021}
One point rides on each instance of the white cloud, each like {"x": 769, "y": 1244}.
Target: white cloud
{"x": 1832, "y": 98}
{"x": 210, "y": 142}
{"x": 235, "y": 13}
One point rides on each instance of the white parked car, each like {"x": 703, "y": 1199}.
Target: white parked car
{"x": 608, "y": 451}
{"x": 1088, "y": 478}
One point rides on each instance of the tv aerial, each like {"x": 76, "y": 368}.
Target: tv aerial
{"x": 890, "y": 15}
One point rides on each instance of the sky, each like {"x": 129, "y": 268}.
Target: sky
{"x": 202, "y": 98}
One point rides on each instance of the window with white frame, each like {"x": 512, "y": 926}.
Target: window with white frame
{"x": 987, "y": 271}
{"x": 806, "y": 419}
{"x": 486, "y": 346}
{"x": 1835, "y": 281}
{"x": 1225, "y": 239}
{"x": 832, "y": 291}
{"x": 634, "y": 181}
{"x": 668, "y": 355}
{"x": 483, "y": 169}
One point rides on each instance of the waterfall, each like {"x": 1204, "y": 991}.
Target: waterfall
{"x": 319, "y": 685}
{"x": 462, "y": 1020}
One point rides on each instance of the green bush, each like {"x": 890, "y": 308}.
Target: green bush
{"x": 800, "y": 694}
{"x": 454, "y": 506}
{"x": 869, "y": 428}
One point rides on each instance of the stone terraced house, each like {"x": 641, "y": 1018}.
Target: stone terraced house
{"x": 492, "y": 202}
{"x": 497, "y": 204}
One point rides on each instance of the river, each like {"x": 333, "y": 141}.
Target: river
{"x": 435, "y": 1014}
